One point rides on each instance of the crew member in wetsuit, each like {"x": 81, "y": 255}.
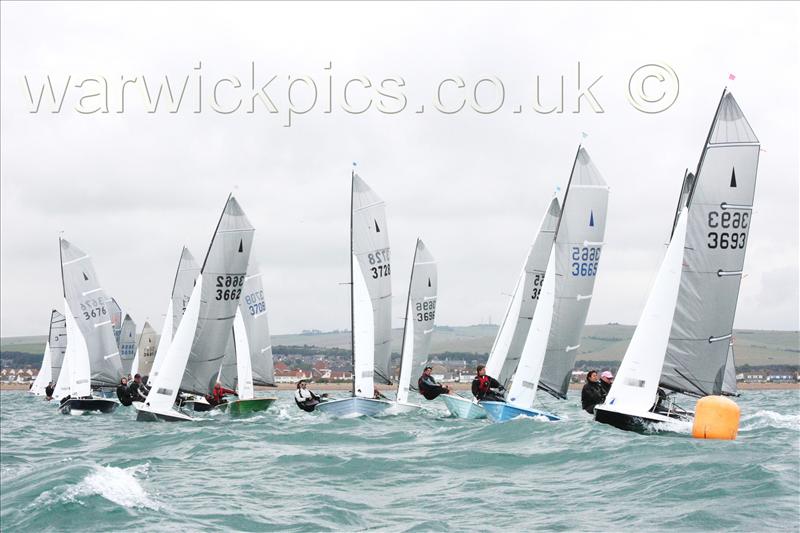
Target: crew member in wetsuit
{"x": 606, "y": 380}
{"x": 428, "y": 387}
{"x": 123, "y": 392}
{"x": 218, "y": 395}
{"x": 135, "y": 389}
{"x": 486, "y": 388}
{"x": 592, "y": 393}
{"x": 305, "y": 398}
{"x": 48, "y": 391}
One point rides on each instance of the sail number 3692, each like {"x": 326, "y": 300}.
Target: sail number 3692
{"x": 229, "y": 287}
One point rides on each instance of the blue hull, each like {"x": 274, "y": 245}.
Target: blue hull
{"x": 503, "y": 412}
{"x": 352, "y": 407}
{"x": 463, "y": 408}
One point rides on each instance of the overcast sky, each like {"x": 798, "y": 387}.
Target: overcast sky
{"x": 132, "y": 187}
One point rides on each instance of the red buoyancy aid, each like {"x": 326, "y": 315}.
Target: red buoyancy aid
{"x": 219, "y": 392}
{"x": 483, "y": 384}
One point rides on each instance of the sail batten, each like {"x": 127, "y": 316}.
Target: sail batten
{"x": 721, "y": 200}
{"x": 578, "y": 246}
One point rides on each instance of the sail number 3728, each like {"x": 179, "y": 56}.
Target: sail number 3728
{"x": 379, "y": 263}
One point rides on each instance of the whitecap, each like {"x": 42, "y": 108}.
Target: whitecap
{"x": 764, "y": 418}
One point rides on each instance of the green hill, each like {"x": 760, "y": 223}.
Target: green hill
{"x": 605, "y": 342}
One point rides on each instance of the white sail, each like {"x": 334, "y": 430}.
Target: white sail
{"x": 526, "y": 378}
{"x": 185, "y": 277}
{"x": 253, "y": 309}
{"x": 244, "y": 370}
{"x": 58, "y": 343}
{"x": 636, "y": 383}
{"x": 224, "y": 271}
{"x": 80, "y": 374}
{"x": 165, "y": 385}
{"x": 510, "y": 339}
{"x": 146, "y": 350}
{"x": 579, "y": 241}
{"x": 127, "y": 344}
{"x": 135, "y": 363}
{"x": 65, "y": 376}
{"x": 86, "y": 303}
{"x": 116, "y": 316}
{"x": 363, "y": 336}
{"x": 371, "y": 256}
{"x": 729, "y": 383}
{"x": 227, "y": 375}
{"x": 45, "y": 373}
{"x": 721, "y": 202}
{"x": 420, "y": 316}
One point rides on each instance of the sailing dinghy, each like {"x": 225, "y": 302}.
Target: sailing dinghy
{"x": 92, "y": 358}
{"x": 45, "y": 375}
{"x": 683, "y": 340}
{"x": 252, "y": 349}
{"x": 419, "y": 325}
{"x": 536, "y": 328}
{"x": 513, "y": 333}
{"x": 192, "y": 362}
{"x": 370, "y": 303}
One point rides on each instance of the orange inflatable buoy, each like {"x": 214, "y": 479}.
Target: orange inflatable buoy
{"x": 716, "y": 417}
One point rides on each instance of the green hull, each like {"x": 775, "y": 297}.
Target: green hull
{"x": 244, "y": 407}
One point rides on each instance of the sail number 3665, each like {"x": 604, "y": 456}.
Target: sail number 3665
{"x": 229, "y": 287}
{"x": 585, "y": 260}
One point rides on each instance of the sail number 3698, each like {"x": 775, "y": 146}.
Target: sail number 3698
{"x": 229, "y": 287}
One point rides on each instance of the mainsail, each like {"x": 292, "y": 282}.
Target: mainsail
{"x": 223, "y": 274}
{"x": 127, "y": 344}
{"x": 420, "y": 315}
{"x": 185, "y": 278}
{"x": 579, "y": 241}
{"x": 116, "y": 316}
{"x": 86, "y": 301}
{"x": 371, "y": 289}
{"x": 253, "y": 311}
{"x": 729, "y": 382}
{"x": 146, "y": 351}
{"x": 720, "y": 202}
{"x": 58, "y": 342}
{"x": 510, "y": 340}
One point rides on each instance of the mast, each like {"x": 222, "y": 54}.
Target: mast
{"x": 405, "y": 323}
{"x": 352, "y": 296}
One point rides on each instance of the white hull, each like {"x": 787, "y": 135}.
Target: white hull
{"x": 353, "y": 407}
{"x": 401, "y": 408}
{"x": 146, "y": 414}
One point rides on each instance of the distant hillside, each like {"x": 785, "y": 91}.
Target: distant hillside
{"x": 605, "y": 342}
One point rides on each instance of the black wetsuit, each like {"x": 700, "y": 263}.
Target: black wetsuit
{"x": 428, "y": 387}
{"x": 591, "y": 395}
{"x": 135, "y": 392}
{"x": 486, "y": 392}
{"x": 124, "y": 395}
{"x": 606, "y": 388}
{"x": 48, "y": 391}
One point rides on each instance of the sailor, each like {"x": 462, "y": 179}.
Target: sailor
{"x": 135, "y": 389}
{"x": 606, "y": 380}
{"x": 218, "y": 395}
{"x": 428, "y": 387}
{"x": 592, "y": 393}
{"x": 48, "y": 391}
{"x": 123, "y": 392}
{"x": 486, "y": 388}
{"x": 305, "y": 398}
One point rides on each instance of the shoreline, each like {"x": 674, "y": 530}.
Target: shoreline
{"x": 454, "y": 386}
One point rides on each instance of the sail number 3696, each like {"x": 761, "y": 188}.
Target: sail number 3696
{"x": 229, "y": 287}
{"x": 426, "y": 310}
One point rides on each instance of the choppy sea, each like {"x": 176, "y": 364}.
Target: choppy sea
{"x": 286, "y": 470}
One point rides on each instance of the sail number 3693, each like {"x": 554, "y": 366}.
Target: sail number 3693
{"x": 727, "y": 240}
{"x": 229, "y": 287}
